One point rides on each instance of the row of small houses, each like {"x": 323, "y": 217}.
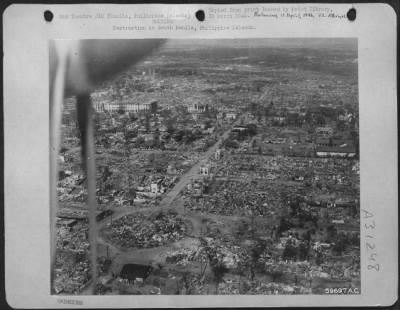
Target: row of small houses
{"x": 332, "y": 151}
{"x": 335, "y": 147}
{"x": 267, "y": 173}
{"x": 323, "y": 151}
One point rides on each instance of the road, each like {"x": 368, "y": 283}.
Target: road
{"x": 193, "y": 172}
{"x": 166, "y": 202}
{"x": 146, "y": 255}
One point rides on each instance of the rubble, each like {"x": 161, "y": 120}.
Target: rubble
{"x": 139, "y": 231}
{"x": 262, "y": 202}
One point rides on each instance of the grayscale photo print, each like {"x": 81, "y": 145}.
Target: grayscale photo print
{"x": 219, "y": 167}
{"x": 200, "y": 155}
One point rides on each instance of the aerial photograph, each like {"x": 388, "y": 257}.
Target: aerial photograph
{"x": 223, "y": 166}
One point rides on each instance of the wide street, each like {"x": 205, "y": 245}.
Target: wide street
{"x": 170, "y": 201}
{"x": 166, "y": 202}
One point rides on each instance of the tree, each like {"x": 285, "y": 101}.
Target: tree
{"x": 170, "y": 124}
{"x": 253, "y": 231}
{"x": 147, "y": 122}
{"x": 340, "y": 245}
{"x": 309, "y": 117}
{"x": 331, "y": 232}
{"x": 156, "y": 137}
{"x": 186, "y": 283}
{"x": 121, "y": 109}
{"x": 341, "y": 125}
{"x": 241, "y": 270}
{"x": 242, "y": 228}
{"x": 290, "y": 251}
{"x": 251, "y": 129}
{"x": 256, "y": 252}
{"x": 230, "y": 143}
{"x": 267, "y": 111}
{"x": 139, "y": 141}
{"x": 132, "y": 117}
{"x": 307, "y": 235}
{"x": 154, "y": 107}
{"x": 284, "y": 195}
{"x": 319, "y": 258}
{"x": 253, "y": 108}
{"x": 105, "y": 173}
{"x": 218, "y": 270}
{"x": 259, "y": 116}
{"x": 303, "y": 250}
{"x": 320, "y": 120}
{"x": 293, "y": 119}
{"x": 276, "y": 274}
{"x": 283, "y": 226}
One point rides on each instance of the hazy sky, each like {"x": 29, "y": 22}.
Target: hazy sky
{"x": 319, "y": 43}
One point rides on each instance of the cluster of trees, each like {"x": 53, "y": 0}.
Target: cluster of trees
{"x": 215, "y": 262}
{"x": 341, "y": 241}
{"x": 232, "y": 141}
{"x": 260, "y": 110}
{"x": 293, "y": 252}
{"x": 187, "y": 136}
{"x": 315, "y": 119}
{"x": 318, "y": 118}
{"x": 249, "y": 130}
{"x": 304, "y": 215}
{"x": 284, "y": 225}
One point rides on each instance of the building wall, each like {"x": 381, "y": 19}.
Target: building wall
{"x": 335, "y": 154}
{"x": 126, "y": 107}
{"x": 196, "y": 107}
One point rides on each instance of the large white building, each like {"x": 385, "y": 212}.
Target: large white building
{"x": 348, "y": 152}
{"x": 197, "y": 108}
{"x": 230, "y": 115}
{"x": 122, "y": 106}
